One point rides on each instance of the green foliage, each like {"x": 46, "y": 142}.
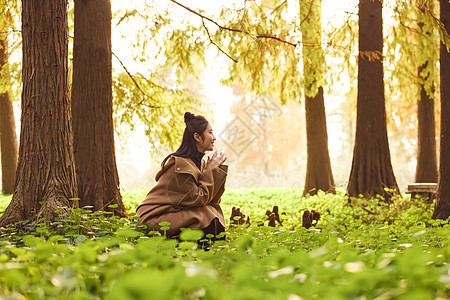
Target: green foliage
{"x": 185, "y": 50}
{"x": 259, "y": 39}
{"x": 313, "y": 54}
{"x": 4, "y": 201}
{"x": 343, "y": 56}
{"x": 411, "y": 64}
{"x": 429, "y": 9}
{"x": 11, "y": 72}
{"x": 265, "y": 44}
{"x": 9, "y": 11}
{"x": 140, "y": 101}
{"x": 359, "y": 249}
{"x": 11, "y": 75}
{"x": 162, "y": 87}
{"x": 412, "y": 43}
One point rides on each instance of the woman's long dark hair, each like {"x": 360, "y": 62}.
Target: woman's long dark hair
{"x": 194, "y": 124}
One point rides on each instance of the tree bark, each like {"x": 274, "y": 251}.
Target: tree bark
{"x": 442, "y": 209}
{"x": 8, "y": 136}
{"x": 426, "y": 169}
{"x": 318, "y": 167}
{"x": 98, "y": 181}
{"x": 45, "y": 173}
{"x": 371, "y": 170}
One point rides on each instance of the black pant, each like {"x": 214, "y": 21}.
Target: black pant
{"x": 214, "y": 228}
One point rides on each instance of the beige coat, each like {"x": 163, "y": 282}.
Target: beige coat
{"x": 184, "y": 196}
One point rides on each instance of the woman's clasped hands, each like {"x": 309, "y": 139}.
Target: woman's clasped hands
{"x": 217, "y": 159}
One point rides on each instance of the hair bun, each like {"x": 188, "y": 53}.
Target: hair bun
{"x": 188, "y": 117}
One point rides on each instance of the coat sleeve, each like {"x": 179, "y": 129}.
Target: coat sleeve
{"x": 210, "y": 185}
{"x": 221, "y": 189}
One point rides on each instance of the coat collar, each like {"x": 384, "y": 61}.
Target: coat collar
{"x": 182, "y": 165}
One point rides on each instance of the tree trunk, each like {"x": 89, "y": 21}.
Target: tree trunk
{"x": 45, "y": 172}
{"x": 95, "y": 160}
{"x": 371, "y": 169}
{"x": 426, "y": 169}
{"x": 318, "y": 167}
{"x": 442, "y": 209}
{"x": 8, "y": 136}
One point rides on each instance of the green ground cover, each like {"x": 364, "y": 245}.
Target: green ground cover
{"x": 358, "y": 250}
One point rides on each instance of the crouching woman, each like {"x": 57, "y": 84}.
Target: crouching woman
{"x": 188, "y": 189}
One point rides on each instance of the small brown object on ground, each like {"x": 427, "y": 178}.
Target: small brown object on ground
{"x": 237, "y": 217}
{"x": 315, "y": 216}
{"x": 272, "y": 220}
{"x": 277, "y": 215}
{"x": 307, "y": 219}
{"x": 310, "y": 218}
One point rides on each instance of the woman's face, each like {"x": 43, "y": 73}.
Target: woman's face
{"x": 206, "y": 143}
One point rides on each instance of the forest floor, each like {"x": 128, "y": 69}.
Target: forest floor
{"x": 359, "y": 249}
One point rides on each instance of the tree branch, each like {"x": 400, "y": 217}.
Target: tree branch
{"x": 445, "y": 34}
{"x": 11, "y": 31}
{"x": 14, "y": 46}
{"x": 206, "y": 18}
{"x": 135, "y": 83}
{"x": 279, "y": 6}
{"x": 212, "y": 42}
{"x": 308, "y": 14}
{"x": 129, "y": 74}
{"x": 267, "y": 36}
{"x": 160, "y": 87}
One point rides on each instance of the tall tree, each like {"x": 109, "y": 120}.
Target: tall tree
{"x": 442, "y": 209}
{"x": 426, "y": 169}
{"x": 95, "y": 160}
{"x": 371, "y": 169}
{"x": 318, "y": 167}
{"x": 45, "y": 173}
{"x": 8, "y": 136}
{"x": 411, "y": 58}
{"x": 411, "y": 49}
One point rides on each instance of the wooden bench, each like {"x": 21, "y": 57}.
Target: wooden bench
{"x": 422, "y": 189}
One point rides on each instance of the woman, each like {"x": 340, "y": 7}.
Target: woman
{"x": 188, "y": 189}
